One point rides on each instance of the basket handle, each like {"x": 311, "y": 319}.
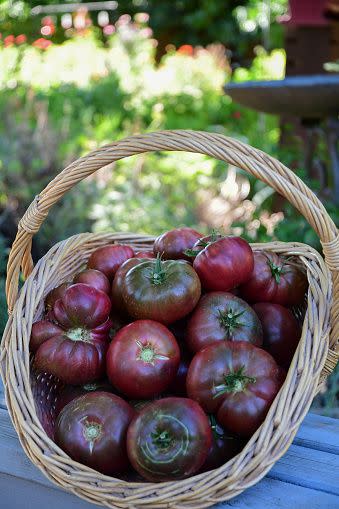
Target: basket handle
{"x": 254, "y": 161}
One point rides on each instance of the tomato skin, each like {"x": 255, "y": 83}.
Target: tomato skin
{"x": 164, "y": 294}
{"x": 144, "y": 254}
{"x": 286, "y": 288}
{"x": 246, "y": 378}
{"x": 117, "y": 300}
{"x": 95, "y": 278}
{"x": 281, "y": 331}
{"x": 223, "y": 448}
{"x": 82, "y": 306}
{"x": 143, "y": 359}
{"x": 221, "y": 316}
{"x": 178, "y": 386}
{"x": 68, "y": 393}
{"x": 224, "y": 264}
{"x": 103, "y": 414}
{"x": 172, "y": 244}
{"x": 176, "y": 434}
{"x": 108, "y": 259}
{"x": 55, "y": 294}
{"x": 41, "y": 332}
{"x": 77, "y": 354}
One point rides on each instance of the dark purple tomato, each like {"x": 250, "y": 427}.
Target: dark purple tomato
{"x": 95, "y": 278}
{"x": 143, "y": 359}
{"x": 41, "y": 332}
{"x": 55, "y": 294}
{"x": 162, "y": 291}
{"x": 169, "y": 439}
{"x": 178, "y": 386}
{"x": 220, "y": 316}
{"x": 118, "y": 304}
{"x": 67, "y": 393}
{"x": 281, "y": 331}
{"x": 224, "y": 446}
{"x": 92, "y": 430}
{"x": 236, "y": 381}
{"x": 224, "y": 264}
{"x": 144, "y": 254}
{"x": 275, "y": 279}
{"x": 172, "y": 245}
{"x": 76, "y": 354}
{"x": 108, "y": 259}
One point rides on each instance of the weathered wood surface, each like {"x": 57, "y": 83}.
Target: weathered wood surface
{"x": 307, "y": 477}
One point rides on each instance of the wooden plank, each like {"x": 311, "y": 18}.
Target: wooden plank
{"x": 309, "y": 468}
{"x": 268, "y": 494}
{"x": 320, "y": 433}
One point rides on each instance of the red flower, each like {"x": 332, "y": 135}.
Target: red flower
{"x": 237, "y": 114}
{"x": 42, "y": 43}
{"x": 186, "y": 49}
{"x": 9, "y": 40}
{"x": 20, "y": 39}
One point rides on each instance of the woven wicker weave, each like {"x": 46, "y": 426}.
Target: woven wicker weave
{"x": 316, "y": 356}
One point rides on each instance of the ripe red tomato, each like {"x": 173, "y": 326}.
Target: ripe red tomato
{"x": 55, "y": 294}
{"x": 275, "y": 279}
{"x": 224, "y": 264}
{"x": 117, "y": 300}
{"x": 108, "y": 259}
{"x": 162, "y": 291}
{"x": 95, "y": 278}
{"x": 224, "y": 446}
{"x": 92, "y": 429}
{"x": 220, "y": 316}
{"x": 76, "y": 354}
{"x": 143, "y": 359}
{"x": 236, "y": 381}
{"x": 144, "y": 254}
{"x": 172, "y": 245}
{"x": 169, "y": 439}
{"x": 281, "y": 331}
{"x": 68, "y": 393}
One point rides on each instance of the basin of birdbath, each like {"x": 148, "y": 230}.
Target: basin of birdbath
{"x": 313, "y": 96}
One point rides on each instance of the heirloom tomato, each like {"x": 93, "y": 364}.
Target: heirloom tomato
{"x": 224, "y": 264}
{"x": 281, "y": 331}
{"x": 76, "y": 352}
{"x": 95, "y": 278}
{"x": 143, "y": 359}
{"x": 275, "y": 279}
{"x": 172, "y": 245}
{"x": 220, "y": 316}
{"x": 236, "y": 381}
{"x": 92, "y": 429}
{"x": 164, "y": 291}
{"x": 169, "y": 439}
{"x": 108, "y": 259}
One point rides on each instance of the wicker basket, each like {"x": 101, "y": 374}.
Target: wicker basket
{"x": 29, "y": 397}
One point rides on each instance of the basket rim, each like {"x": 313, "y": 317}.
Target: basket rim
{"x": 21, "y": 397}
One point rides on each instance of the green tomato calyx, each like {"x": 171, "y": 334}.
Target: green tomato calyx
{"x": 162, "y": 439}
{"x": 148, "y": 354}
{"x": 276, "y": 270}
{"x": 92, "y": 431}
{"x": 235, "y": 381}
{"x": 229, "y": 320}
{"x": 158, "y": 275}
{"x": 79, "y": 334}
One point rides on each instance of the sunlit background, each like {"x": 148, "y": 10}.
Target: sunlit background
{"x": 74, "y": 77}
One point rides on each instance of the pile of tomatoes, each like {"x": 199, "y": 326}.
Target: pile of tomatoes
{"x": 168, "y": 361}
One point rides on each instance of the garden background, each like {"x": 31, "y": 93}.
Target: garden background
{"x": 67, "y": 88}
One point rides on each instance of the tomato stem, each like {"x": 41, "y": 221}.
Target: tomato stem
{"x": 159, "y": 274}
{"x": 276, "y": 270}
{"x": 229, "y": 320}
{"x": 235, "y": 381}
{"x": 79, "y": 334}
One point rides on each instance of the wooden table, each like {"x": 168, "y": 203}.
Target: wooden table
{"x": 307, "y": 477}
